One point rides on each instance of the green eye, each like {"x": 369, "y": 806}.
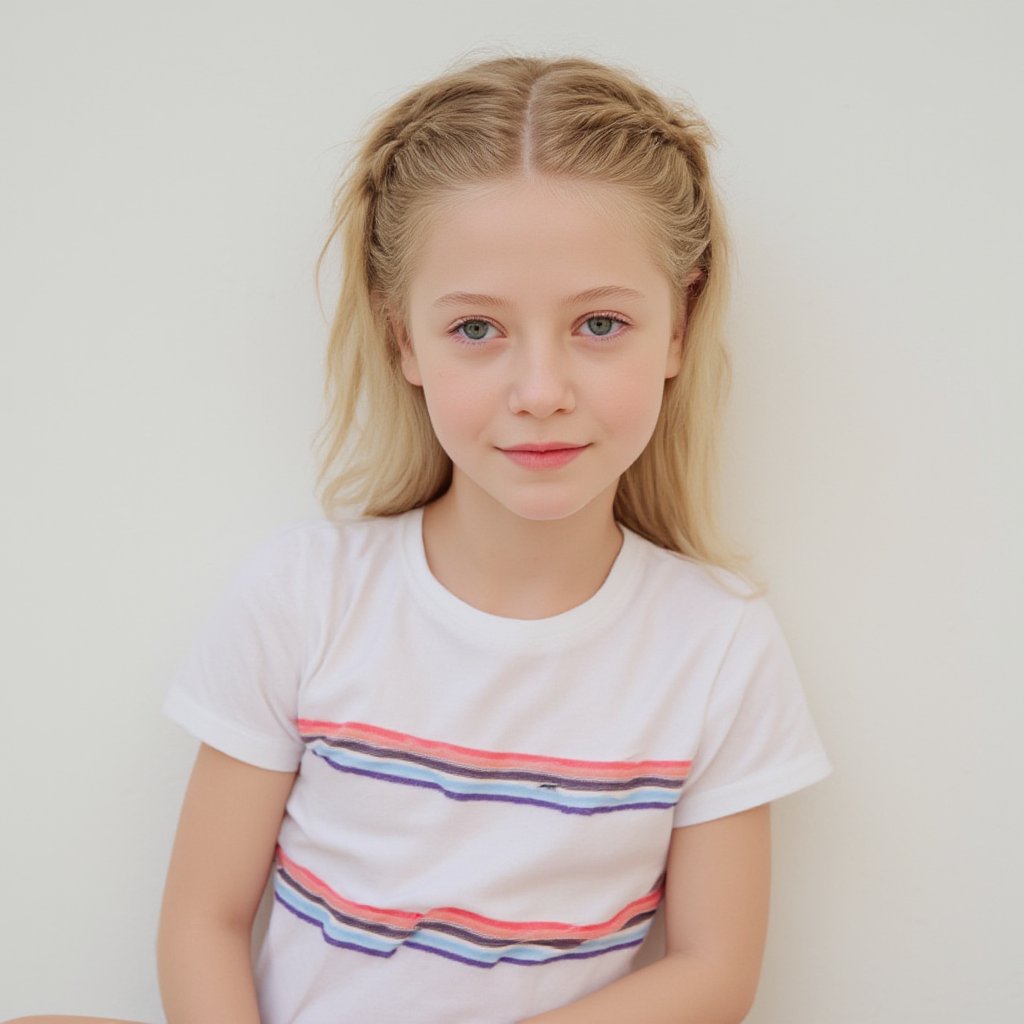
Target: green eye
{"x": 603, "y": 325}
{"x": 475, "y": 330}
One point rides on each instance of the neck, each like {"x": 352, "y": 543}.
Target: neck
{"x": 519, "y": 568}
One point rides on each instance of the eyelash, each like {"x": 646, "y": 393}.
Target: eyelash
{"x": 453, "y": 330}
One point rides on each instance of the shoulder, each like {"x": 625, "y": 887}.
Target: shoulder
{"x": 317, "y": 541}
{"x": 694, "y": 589}
{"x": 314, "y": 559}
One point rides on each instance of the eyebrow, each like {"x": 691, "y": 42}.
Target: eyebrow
{"x": 601, "y": 292}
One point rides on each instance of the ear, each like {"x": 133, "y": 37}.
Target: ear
{"x": 410, "y": 367}
{"x": 674, "y": 361}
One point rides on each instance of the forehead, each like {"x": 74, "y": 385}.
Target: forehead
{"x": 536, "y": 236}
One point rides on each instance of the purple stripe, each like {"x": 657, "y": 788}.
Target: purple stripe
{"x": 375, "y": 927}
{"x": 448, "y": 955}
{"x": 524, "y": 775}
{"x": 460, "y": 932}
{"x": 327, "y": 938}
{"x": 524, "y": 963}
{"x": 651, "y": 805}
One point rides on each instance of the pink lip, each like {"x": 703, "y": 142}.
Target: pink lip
{"x": 544, "y": 456}
{"x": 549, "y": 446}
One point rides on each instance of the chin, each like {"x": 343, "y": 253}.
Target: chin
{"x": 542, "y": 511}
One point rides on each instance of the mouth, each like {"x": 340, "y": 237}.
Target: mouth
{"x": 551, "y": 446}
{"x": 552, "y": 455}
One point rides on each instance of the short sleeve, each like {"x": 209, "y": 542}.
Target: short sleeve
{"x": 237, "y": 687}
{"x": 758, "y": 741}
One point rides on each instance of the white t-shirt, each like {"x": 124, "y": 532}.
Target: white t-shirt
{"x": 478, "y": 829}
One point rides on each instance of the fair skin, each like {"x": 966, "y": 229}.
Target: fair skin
{"x": 518, "y": 535}
{"x": 536, "y": 369}
{"x": 221, "y": 858}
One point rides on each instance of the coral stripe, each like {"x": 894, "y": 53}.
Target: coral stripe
{"x": 345, "y": 750}
{"x": 389, "y": 739}
{"x": 479, "y": 960}
{"x": 485, "y": 926}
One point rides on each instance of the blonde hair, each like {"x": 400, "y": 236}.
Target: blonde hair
{"x": 500, "y": 118}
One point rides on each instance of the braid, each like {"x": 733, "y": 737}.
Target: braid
{"x": 382, "y": 149}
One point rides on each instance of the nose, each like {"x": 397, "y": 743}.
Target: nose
{"x": 541, "y": 382}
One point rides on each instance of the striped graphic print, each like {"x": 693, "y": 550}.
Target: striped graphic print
{"x": 463, "y": 773}
{"x": 453, "y": 933}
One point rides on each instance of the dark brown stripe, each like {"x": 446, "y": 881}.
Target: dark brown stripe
{"x": 448, "y": 928}
{"x": 516, "y": 775}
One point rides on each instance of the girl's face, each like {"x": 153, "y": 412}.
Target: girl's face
{"x": 540, "y": 330}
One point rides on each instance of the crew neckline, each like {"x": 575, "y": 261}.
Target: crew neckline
{"x": 595, "y": 613}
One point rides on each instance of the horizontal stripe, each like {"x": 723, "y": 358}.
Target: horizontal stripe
{"x": 452, "y": 932}
{"x": 568, "y": 801}
{"x": 463, "y": 773}
{"x": 450, "y": 753}
{"x": 513, "y": 774}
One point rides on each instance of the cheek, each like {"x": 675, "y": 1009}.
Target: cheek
{"x": 458, "y": 404}
{"x": 632, "y": 403}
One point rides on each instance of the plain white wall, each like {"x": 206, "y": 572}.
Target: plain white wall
{"x": 166, "y": 173}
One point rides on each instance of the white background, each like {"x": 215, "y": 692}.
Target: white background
{"x": 165, "y": 181}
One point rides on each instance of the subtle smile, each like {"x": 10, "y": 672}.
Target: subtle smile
{"x": 544, "y": 456}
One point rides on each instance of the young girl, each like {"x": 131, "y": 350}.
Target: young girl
{"x": 479, "y": 733}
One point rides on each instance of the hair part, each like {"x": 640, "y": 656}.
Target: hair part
{"x": 503, "y": 119}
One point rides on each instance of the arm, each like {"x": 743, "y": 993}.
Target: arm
{"x": 716, "y": 916}
{"x": 222, "y": 854}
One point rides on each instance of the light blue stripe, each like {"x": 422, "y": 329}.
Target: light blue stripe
{"x": 444, "y": 943}
{"x": 334, "y": 928}
{"x": 458, "y": 784}
{"x": 523, "y": 951}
